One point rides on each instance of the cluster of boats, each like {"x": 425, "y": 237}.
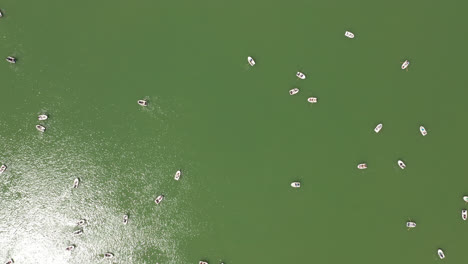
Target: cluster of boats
{"x": 400, "y": 163}
{"x": 39, "y": 127}
{"x": 293, "y": 91}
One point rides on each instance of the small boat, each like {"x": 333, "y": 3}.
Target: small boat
{"x": 349, "y": 34}
{"x": 401, "y": 164}
{"x": 76, "y": 182}
{"x": 10, "y": 261}
{"x": 2, "y": 168}
{"x": 440, "y": 253}
{"x": 464, "y": 214}
{"x": 78, "y": 232}
{"x": 202, "y": 262}
{"x": 312, "y": 100}
{"x": 159, "y": 199}
{"x": 42, "y": 117}
{"x": 142, "y": 102}
{"x": 295, "y": 184}
{"x": 423, "y": 130}
{"x": 70, "y": 248}
{"x": 108, "y": 255}
{"x": 293, "y": 91}
{"x": 405, "y": 64}
{"x": 465, "y": 198}
{"x": 82, "y": 222}
{"x": 11, "y": 59}
{"x": 1, "y": 14}
{"x": 177, "y": 175}
{"x": 251, "y": 61}
{"x": 378, "y": 128}
{"x": 362, "y": 166}
{"x": 40, "y": 128}
{"x": 410, "y": 224}
{"x": 125, "y": 219}
{"x": 300, "y": 75}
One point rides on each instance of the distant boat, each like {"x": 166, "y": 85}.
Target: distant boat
{"x": 1, "y": 14}
{"x": 464, "y": 214}
{"x": 202, "y": 262}
{"x": 40, "y": 128}
{"x": 405, "y": 64}
{"x": 177, "y": 175}
{"x": 108, "y": 255}
{"x": 293, "y": 91}
{"x": 82, "y": 222}
{"x": 349, "y": 34}
{"x": 423, "y": 130}
{"x": 378, "y": 128}
{"x": 440, "y": 253}
{"x": 300, "y": 75}
{"x": 362, "y": 166}
{"x": 465, "y": 198}
{"x": 42, "y": 117}
{"x": 251, "y": 61}
{"x": 401, "y": 164}
{"x": 312, "y": 100}
{"x": 76, "y": 182}
{"x": 2, "y": 168}
{"x": 10, "y": 261}
{"x": 70, "y": 248}
{"x": 295, "y": 184}
{"x": 159, "y": 199}
{"x": 78, "y": 232}
{"x": 11, "y": 59}
{"x": 142, "y": 102}
{"x": 125, "y": 219}
{"x": 410, "y": 224}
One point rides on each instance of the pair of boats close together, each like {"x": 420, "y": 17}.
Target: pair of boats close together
{"x": 42, "y": 117}
{"x": 363, "y": 166}
{"x": 380, "y": 126}
{"x": 160, "y": 198}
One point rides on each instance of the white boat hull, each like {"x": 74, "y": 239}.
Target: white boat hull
{"x": 251, "y": 61}
{"x": 42, "y": 117}
{"x": 3, "y": 168}
{"x": 349, "y": 34}
{"x": 202, "y": 262}
{"x": 177, "y": 175}
{"x": 422, "y": 130}
{"x": 76, "y": 183}
{"x": 410, "y": 224}
{"x": 300, "y": 75}
{"x": 125, "y": 219}
{"x": 464, "y": 215}
{"x": 295, "y": 184}
{"x": 312, "y": 100}
{"x": 465, "y": 198}
{"x": 405, "y": 65}
{"x": 362, "y": 166}
{"x": 440, "y": 253}
{"x": 159, "y": 199}
{"x": 401, "y": 164}
{"x": 293, "y": 91}
{"x": 40, "y": 128}
{"x": 142, "y": 102}
{"x": 378, "y": 128}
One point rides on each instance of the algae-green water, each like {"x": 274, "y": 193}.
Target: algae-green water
{"x": 237, "y": 135}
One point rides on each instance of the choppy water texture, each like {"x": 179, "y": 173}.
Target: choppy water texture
{"x": 238, "y": 136}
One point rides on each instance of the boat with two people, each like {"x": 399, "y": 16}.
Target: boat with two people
{"x": 300, "y": 75}
{"x": 42, "y": 117}
{"x": 312, "y": 100}
{"x": 251, "y": 61}
{"x": 423, "y": 130}
{"x": 11, "y": 59}
{"x": 78, "y": 232}
{"x": 159, "y": 199}
{"x": 70, "y": 248}
{"x": 143, "y": 102}
{"x": 378, "y": 128}
{"x": 293, "y": 91}
{"x": 464, "y": 214}
{"x": 401, "y": 164}
{"x": 349, "y": 34}
{"x": 40, "y": 128}
{"x": 296, "y": 184}
{"x": 177, "y": 175}
{"x": 125, "y": 219}
{"x": 202, "y": 262}
{"x": 410, "y": 224}
{"x": 362, "y": 166}
{"x": 10, "y": 261}
{"x": 108, "y": 255}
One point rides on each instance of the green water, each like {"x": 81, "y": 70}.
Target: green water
{"x": 238, "y": 136}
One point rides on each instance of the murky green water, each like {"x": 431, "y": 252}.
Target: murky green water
{"x": 238, "y": 136}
